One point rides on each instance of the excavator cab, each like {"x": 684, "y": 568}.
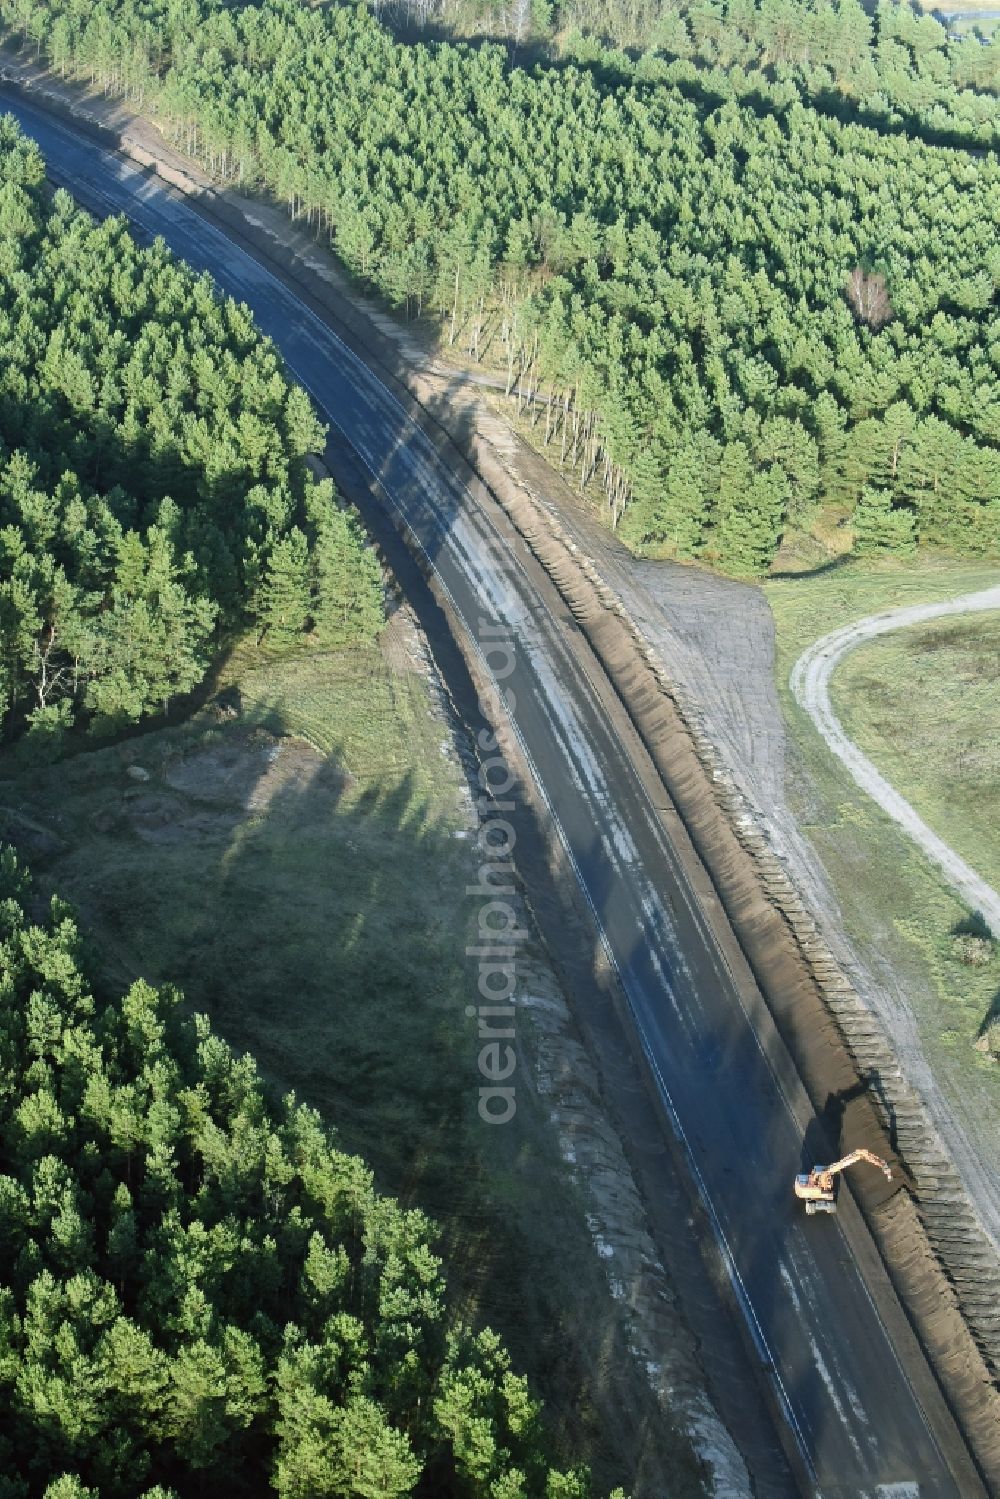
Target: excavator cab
{"x": 815, "y": 1187}
{"x": 818, "y": 1198}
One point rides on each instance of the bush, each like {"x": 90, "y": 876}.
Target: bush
{"x": 973, "y": 951}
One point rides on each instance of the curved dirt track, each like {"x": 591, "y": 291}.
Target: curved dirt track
{"x": 811, "y": 685}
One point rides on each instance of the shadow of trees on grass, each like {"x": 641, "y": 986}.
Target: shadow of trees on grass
{"x": 320, "y": 927}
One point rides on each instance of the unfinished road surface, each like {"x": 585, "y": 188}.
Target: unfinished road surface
{"x": 843, "y": 1386}
{"x": 811, "y": 677}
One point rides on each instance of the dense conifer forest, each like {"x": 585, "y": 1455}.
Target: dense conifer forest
{"x": 154, "y": 489}
{"x": 724, "y": 305}
{"x": 200, "y": 1293}
{"x": 894, "y": 66}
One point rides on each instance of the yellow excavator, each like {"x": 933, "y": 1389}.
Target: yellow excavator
{"x": 815, "y": 1187}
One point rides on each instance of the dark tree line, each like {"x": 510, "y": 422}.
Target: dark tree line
{"x": 662, "y": 256}
{"x": 153, "y": 479}
{"x": 198, "y": 1292}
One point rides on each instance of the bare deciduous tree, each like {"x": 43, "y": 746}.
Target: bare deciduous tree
{"x": 518, "y": 20}
{"x": 422, "y": 10}
{"x": 868, "y": 294}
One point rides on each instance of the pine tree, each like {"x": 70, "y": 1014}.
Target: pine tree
{"x": 751, "y": 519}
{"x": 688, "y": 494}
{"x": 370, "y": 1459}
{"x": 69, "y": 1486}
{"x": 285, "y": 604}
{"x": 47, "y": 730}
{"x": 879, "y": 527}
{"x": 348, "y": 588}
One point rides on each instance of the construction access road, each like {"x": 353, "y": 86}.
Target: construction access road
{"x": 859, "y": 1413}
{"x": 811, "y": 678}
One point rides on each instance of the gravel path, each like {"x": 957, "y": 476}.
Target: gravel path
{"x": 811, "y": 683}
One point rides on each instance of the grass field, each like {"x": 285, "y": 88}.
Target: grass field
{"x": 311, "y": 904}
{"x": 924, "y": 705}
{"x": 896, "y": 908}
{"x": 809, "y": 604}
{"x": 308, "y": 892}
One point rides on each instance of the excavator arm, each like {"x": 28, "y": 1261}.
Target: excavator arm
{"x": 859, "y": 1155}
{"x": 815, "y": 1187}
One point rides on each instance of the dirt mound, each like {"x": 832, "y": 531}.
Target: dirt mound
{"x": 157, "y": 817}
{"x": 212, "y": 787}
{"x": 249, "y": 772}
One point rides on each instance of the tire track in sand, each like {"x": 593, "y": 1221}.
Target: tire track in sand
{"x": 810, "y": 682}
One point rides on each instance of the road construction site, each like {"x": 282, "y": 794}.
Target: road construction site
{"x": 703, "y": 934}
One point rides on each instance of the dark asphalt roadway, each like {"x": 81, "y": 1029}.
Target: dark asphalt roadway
{"x": 848, "y": 1404}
